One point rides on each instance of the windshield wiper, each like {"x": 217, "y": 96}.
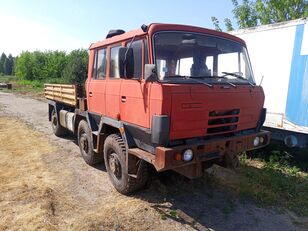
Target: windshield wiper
{"x": 233, "y": 74}
{"x": 237, "y": 76}
{"x": 214, "y": 77}
{"x": 176, "y": 76}
{"x": 194, "y": 79}
{"x": 190, "y": 77}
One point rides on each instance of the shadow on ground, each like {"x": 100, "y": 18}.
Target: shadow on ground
{"x": 204, "y": 203}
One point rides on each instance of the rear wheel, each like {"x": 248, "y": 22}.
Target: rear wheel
{"x": 115, "y": 161}
{"x": 57, "y": 129}
{"x": 86, "y": 144}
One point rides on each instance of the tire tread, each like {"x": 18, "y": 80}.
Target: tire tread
{"x": 133, "y": 184}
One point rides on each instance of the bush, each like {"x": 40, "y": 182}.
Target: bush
{"x": 52, "y": 66}
{"x": 76, "y": 68}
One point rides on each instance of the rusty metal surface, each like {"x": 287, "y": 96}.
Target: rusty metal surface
{"x": 164, "y": 158}
{"x": 148, "y": 157}
{"x": 191, "y": 171}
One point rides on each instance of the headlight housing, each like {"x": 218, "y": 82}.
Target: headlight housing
{"x": 256, "y": 141}
{"x": 188, "y": 155}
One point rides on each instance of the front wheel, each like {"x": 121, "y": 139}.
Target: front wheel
{"x": 115, "y": 161}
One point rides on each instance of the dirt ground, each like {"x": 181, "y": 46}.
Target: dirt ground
{"x": 46, "y": 185}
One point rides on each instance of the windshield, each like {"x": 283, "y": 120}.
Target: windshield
{"x": 184, "y": 55}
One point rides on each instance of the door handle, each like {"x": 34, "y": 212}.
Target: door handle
{"x": 90, "y": 94}
{"x": 123, "y": 99}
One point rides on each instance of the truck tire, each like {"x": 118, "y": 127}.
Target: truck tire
{"x": 85, "y": 143}
{"x": 114, "y": 155}
{"x": 57, "y": 129}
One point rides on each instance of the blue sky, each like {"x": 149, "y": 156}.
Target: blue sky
{"x": 67, "y": 25}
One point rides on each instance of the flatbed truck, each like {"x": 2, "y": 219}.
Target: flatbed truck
{"x": 175, "y": 97}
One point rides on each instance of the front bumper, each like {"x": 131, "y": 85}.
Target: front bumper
{"x": 167, "y": 158}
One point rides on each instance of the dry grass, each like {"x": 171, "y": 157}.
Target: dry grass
{"x": 23, "y": 181}
{"x": 44, "y": 188}
{"x": 37, "y": 193}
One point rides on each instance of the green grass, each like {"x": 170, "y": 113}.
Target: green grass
{"x": 33, "y": 84}
{"x": 38, "y": 85}
{"x": 28, "y": 86}
{"x": 274, "y": 182}
{"x": 297, "y": 157}
{"x": 23, "y": 85}
{"x": 7, "y": 79}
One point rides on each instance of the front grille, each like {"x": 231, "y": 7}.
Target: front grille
{"x": 223, "y": 121}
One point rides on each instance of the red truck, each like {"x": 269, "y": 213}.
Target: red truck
{"x": 173, "y": 96}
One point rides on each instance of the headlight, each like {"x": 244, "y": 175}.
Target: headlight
{"x": 188, "y": 155}
{"x": 256, "y": 141}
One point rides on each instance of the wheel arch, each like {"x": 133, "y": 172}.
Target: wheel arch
{"x": 79, "y": 116}
{"x": 106, "y": 127}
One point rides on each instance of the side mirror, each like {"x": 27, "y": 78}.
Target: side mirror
{"x": 150, "y": 74}
{"x": 126, "y": 62}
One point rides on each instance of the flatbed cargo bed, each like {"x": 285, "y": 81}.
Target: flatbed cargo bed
{"x": 64, "y": 93}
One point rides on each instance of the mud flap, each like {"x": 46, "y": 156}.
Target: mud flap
{"x": 231, "y": 161}
{"x": 190, "y": 171}
{"x": 133, "y": 165}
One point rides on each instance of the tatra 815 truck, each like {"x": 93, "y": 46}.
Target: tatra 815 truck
{"x": 172, "y": 96}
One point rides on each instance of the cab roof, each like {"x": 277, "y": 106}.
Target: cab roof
{"x": 155, "y": 27}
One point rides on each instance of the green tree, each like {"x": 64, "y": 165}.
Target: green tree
{"x": 245, "y": 14}
{"x": 215, "y": 22}
{"x": 14, "y": 65}
{"x": 251, "y": 13}
{"x": 52, "y": 66}
{"x": 228, "y": 24}
{"x": 8, "y": 65}
{"x": 24, "y": 66}
{"x": 2, "y": 60}
{"x": 56, "y": 62}
{"x": 39, "y": 70}
{"x": 76, "y": 68}
{"x": 272, "y": 11}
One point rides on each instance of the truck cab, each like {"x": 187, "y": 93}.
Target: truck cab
{"x": 174, "y": 96}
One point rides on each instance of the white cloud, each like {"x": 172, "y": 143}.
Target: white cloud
{"x": 20, "y": 34}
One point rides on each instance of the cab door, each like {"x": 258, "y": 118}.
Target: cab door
{"x": 96, "y": 86}
{"x": 134, "y": 95}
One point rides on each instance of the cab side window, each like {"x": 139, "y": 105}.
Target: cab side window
{"x": 114, "y": 62}
{"x": 94, "y": 68}
{"x": 146, "y": 55}
{"x": 137, "y": 51}
{"x": 99, "y": 64}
